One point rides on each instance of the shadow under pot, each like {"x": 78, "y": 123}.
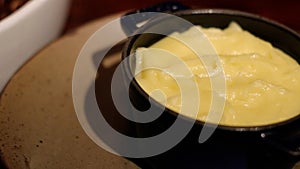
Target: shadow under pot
{"x": 275, "y": 145}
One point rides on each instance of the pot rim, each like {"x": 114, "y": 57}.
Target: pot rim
{"x": 211, "y": 11}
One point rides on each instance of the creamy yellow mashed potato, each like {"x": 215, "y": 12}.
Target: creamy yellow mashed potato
{"x": 262, "y": 82}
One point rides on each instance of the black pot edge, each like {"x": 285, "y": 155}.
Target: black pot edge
{"x": 261, "y": 128}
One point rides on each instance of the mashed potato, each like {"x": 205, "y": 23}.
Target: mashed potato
{"x": 262, "y": 82}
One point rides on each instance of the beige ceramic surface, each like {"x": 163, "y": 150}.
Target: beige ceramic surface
{"x": 38, "y": 125}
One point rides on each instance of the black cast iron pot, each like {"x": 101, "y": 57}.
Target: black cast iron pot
{"x": 270, "y": 146}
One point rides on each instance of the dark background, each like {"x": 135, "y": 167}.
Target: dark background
{"x": 283, "y": 11}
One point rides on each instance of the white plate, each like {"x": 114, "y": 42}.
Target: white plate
{"x": 26, "y": 31}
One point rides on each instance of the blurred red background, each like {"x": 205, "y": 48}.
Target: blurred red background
{"x": 283, "y": 11}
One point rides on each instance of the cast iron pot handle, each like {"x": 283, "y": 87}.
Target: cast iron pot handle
{"x": 287, "y": 141}
{"x": 131, "y": 24}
